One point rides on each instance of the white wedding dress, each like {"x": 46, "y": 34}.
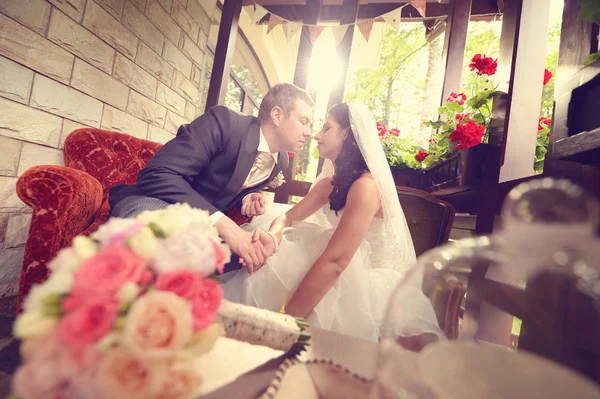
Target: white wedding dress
{"x": 356, "y": 304}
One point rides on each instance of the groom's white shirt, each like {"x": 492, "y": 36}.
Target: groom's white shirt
{"x": 259, "y": 172}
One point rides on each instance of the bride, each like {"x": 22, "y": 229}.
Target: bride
{"x": 339, "y": 269}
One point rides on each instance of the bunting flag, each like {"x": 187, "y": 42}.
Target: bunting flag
{"x": 274, "y": 20}
{"x": 393, "y": 18}
{"x": 315, "y": 31}
{"x": 365, "y": 27}
{"x": 290, "y": 29}
{"x": 259, "y": 13}
{"x": 338, "y": 33}
{"x": 419, "y": 5}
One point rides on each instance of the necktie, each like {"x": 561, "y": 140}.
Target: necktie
{"x": 261, "y": 169}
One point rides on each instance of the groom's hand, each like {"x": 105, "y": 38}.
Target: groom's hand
{"x": 252, "y": 255}
{"x": 253, "y": 205}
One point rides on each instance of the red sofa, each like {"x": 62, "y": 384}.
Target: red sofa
{"x": 73, "y": 199}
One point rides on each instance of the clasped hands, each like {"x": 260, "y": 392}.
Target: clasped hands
{"x": 262, "y": 245}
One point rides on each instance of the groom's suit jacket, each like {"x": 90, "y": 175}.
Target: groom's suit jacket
{"x": 206, "y": 164}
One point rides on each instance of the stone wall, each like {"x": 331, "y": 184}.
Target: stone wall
{"x": 132, "y": 66}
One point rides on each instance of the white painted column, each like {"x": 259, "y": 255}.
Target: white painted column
{"x": 527, "y": 90}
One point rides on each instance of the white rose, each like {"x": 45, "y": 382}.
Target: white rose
{"x": 203, "y": 341}
{"x": 176, "y": 218}
{"x": 187, "y": 250}
{"x": 84, "y": 247}
{"x": 111, "y": 339}
{"x": 128, "y": 292}
{"x": 59, "y": 283}
{"x": 143, "y": 243}
{"x": 33, "y": 325}
{"x": 66, "y": 259}
{"x": 112, "y": 228}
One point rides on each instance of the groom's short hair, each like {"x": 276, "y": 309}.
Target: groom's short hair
{"x": 284, "y": 96}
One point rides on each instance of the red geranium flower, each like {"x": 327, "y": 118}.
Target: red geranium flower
{"x": 459, "y": 98}
{"x": 394, "y": 132}
{"x": 432, "y": 140}
{"x": 547, "y": 76}
{"x": 382, "y": 129}
{"x": 484, "y": 65}
{"x": 421, "y": 155}
{"x": 467, "y": 135}
{"x": 545, "y": 121}
{"x": 460, "y": 117}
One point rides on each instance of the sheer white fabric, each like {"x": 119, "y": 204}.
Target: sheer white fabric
{"x": 398, "y": 251}
{"x": 357, "y": 302}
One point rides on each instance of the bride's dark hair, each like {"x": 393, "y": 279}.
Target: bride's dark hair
{"x": 349, "y": 164}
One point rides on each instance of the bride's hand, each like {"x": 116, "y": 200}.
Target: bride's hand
{"x": 265, "y": 239}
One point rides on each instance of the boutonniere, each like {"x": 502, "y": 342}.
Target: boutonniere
{"x": 277, "y": 180}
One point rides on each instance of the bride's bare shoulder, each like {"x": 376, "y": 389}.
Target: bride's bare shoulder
{"x": 323, "y": 187}
{"x": 365, "y": 192}
{"x": 366, "y": 185}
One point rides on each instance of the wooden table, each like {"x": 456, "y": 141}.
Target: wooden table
{"x": 247, "y": 382}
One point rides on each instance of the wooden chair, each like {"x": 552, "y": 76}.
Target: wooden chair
{"x": 429, "y": 219}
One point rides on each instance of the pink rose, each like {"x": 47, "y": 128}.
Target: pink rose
{"x": 184, "y": 283}
{"x": 39, "y": 376}
{"x": 103, "y": 275}
{"x": 158, "y": 325}
{"x": 206, "y": 303}
{"x": 89, "y": 322}
{"x": 51, "y": 370}
{"x": 37, "y": 380}
{"x": 123, "y": 375}
{"x": 181, "y": 382}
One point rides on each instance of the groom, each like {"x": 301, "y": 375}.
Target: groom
{"x": 220, "y": 162}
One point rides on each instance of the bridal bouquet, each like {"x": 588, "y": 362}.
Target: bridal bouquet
{"x": 125, "y": 312}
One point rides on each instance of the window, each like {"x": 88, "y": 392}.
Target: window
{"x": 247, "y": 83}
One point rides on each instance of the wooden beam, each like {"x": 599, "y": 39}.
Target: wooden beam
{"x": 312, "y": 16}
{"x": 349, "y": 16}
{"x": 312, "y": 12}
{"x": 455, "y": 43}
{"x": 228, "y": 31}
{"x": 332, "y": 13}
{"x": 505, "y": 74}
{"x": 576, "y": 43}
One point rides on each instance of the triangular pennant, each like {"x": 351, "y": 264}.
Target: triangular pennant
{"x": 365, "y": 27}
{"x": 290, "y": 29}
{"x": 338, "y": 33}
{"x": 393, "y": 18}
{"x": 315, "y": 31}
{"x": 259, "y": 13}
{"x": 419, "y": 5}
{"x": 274, "y": 20}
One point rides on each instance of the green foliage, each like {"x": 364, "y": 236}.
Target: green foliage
{"x": 551, "y": 64}
{"x": 480, "y": 100}
{"x": 541, "y": 147}
{"x": 590, "y": 10}
{"x": 592, "y": 58}
{"x": 401, "y": 151}
{"x": 396, "y": 86}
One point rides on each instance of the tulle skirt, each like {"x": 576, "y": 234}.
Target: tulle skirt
{"x": 355, "y": 304}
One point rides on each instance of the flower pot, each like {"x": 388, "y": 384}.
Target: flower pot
{"x": 470, "y": 170}
{"x": 407, "y": 177}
